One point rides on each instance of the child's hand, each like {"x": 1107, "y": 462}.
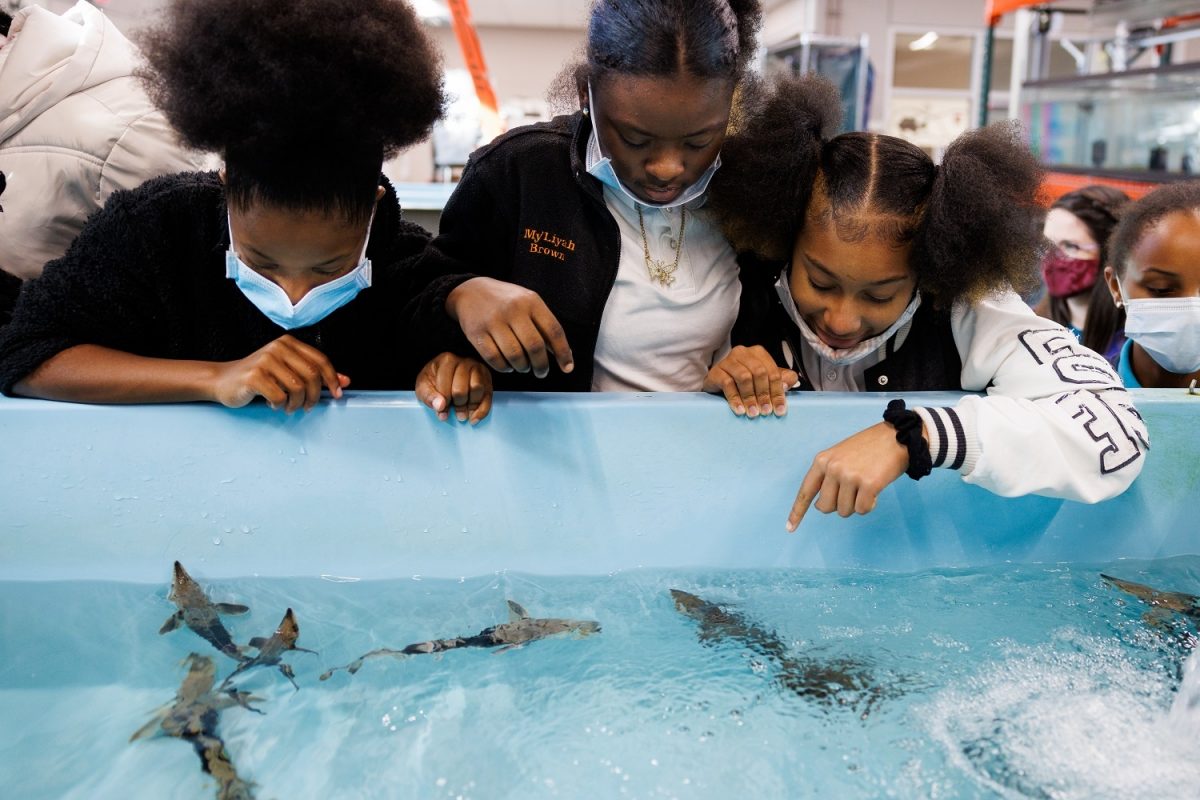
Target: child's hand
{"x": 751, "y": 382}
{"x": 510, "y": 326}
{"x": 450, "y": 380}
{"x": 850, "y": 475}
{"x": 287, "y": 373}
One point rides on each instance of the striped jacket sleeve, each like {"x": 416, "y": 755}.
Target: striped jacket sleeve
{"x": 1055, "y": 419}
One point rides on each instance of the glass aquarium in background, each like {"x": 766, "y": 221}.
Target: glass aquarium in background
{"x": 1145, "y": 120}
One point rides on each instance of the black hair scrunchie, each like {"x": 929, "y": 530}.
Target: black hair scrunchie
{"x": 908, "y": 433}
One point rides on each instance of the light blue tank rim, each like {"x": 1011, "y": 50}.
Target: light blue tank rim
{"x": 373, "y": 486}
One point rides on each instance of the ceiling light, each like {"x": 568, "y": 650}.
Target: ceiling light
{"x": 925, "y": 42}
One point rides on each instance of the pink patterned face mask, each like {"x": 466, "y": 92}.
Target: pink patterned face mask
{"x": 1066, "y": 276}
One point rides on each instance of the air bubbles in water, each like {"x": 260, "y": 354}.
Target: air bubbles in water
{"x": 1185, "y": 710}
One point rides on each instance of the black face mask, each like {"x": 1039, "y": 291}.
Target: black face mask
{"x": 5, "y": 21}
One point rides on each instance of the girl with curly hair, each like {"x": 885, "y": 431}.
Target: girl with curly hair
{"x": 1153, "y": 272}
{"x": 1077, "y": 227}
{"x": 898, "y": 275}
{"x": 585, "y": 241}
{"x": 280, "y": 275}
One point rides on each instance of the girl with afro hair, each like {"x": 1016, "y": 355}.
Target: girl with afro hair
{"x": 585, "y": 242}
{"x": 285, "y": 272}
{"x": 1153, "y": 272}
{"x": 898, "y": 274}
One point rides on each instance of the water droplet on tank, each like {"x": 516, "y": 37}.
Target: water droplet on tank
{"x": 387, "y": 477}
{"x": 416, "y": 577}
{"x": 303, "y": 451}
{"x": 217, "y": 541}
{"x": 245, "y": 529}
{"x": 464, "y": 529}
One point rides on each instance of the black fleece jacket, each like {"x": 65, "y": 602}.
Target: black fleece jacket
{"x": 147, "y": 276}
{"x": 526, "y": 211}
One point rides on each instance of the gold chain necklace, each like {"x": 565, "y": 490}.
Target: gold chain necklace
{"x": 660, "y": 271}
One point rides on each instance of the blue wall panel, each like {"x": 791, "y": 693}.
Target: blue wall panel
{"x": 373, "y": 486}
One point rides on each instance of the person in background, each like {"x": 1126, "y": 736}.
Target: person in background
{"x": 1153, "y": 272}
{"x": 280, "y": 275}
{"x": 898, "y": 275}
{"x": 75, "y": 126}
{"x": 1077, "y": 226}
{"x": 586, "y": 241}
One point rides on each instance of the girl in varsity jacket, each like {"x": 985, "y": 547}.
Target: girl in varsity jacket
{"x": 899, "y": 276}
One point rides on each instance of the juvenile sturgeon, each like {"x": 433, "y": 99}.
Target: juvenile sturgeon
{"x": 200, "y": 614}
{"x": 1188, "y": 605}
{"x": 517, "y": 632}
{"x": 833, "y": 682}
{"x": 193, "y": 718}
{"x": 271, "y": 650}
{"x": 1162, "y": 606}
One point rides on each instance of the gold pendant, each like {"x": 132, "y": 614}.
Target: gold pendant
{"x": 661, "y": 272}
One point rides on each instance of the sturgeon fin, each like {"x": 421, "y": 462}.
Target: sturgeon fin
{"x": 516, "y": 611}
{"x": 172, "y": 623}
{"x": 149, "y": 728}
{"x": 231, "y": 608}
{"x": 257, "y": 642}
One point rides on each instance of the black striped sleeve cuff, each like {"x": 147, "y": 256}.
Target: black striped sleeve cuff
{"x": 952, "y": 440}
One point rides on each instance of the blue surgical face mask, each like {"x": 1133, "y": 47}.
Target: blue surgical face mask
{"x": 600, "y": 167}
{"x": 1167, "y": 328}
{"x": 316, "y": 305}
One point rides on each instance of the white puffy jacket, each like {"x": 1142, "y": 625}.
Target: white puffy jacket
{"x": 75, "y": 126}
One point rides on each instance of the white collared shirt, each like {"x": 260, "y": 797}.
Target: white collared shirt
{"x": 658, "y": 338}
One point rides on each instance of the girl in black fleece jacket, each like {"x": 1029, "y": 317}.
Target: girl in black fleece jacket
{"x": 284, "y": 273}
{"x": 585, "y": 240}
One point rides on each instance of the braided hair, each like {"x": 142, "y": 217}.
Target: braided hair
{"x": 968, "y": 220}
